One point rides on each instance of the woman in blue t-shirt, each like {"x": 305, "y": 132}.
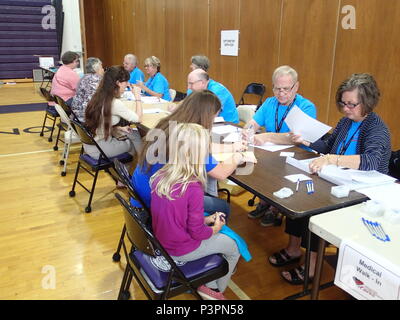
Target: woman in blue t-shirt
{"x": 156, "y": 85}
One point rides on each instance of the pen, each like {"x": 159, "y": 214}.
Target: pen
{"x": 297, "y": 185}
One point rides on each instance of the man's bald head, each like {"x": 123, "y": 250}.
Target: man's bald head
{"x": 198, "y": 80}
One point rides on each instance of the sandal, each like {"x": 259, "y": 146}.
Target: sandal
{"x": 296, "y": 276}
{"x": 282, "y": 259}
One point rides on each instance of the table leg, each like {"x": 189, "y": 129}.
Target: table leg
{"x": 318, "y": 269}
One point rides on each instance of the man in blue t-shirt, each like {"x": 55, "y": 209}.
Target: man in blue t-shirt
{"x": 271, "y": 115}
{"x": 130, "y": 65}
{"x": 198, "y": 80}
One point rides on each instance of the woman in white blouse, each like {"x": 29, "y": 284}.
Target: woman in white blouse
{"x": 105, "y": 111}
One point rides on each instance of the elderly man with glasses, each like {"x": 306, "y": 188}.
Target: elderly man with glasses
{"x": 272, "y": 115}
{"x": 199, "y": 79}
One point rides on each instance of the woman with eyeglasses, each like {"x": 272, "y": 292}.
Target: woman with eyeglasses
{"x": 156, "y": 85}
{"x": 360, "y": 140}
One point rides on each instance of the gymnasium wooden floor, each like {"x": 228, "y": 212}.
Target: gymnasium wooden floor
{"x": 51, "y": 249}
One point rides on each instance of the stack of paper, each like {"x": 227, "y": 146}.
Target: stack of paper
{"x": 221, "y": 130}
{"x": 269, "y": 146}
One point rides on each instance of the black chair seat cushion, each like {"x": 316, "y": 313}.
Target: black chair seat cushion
{"x": 123, "y": 157}
{"x": 157, "y": 269}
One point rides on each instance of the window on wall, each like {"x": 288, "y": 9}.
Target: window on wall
{"x": 26, "y": 31}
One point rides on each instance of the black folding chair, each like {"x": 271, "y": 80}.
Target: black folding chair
{"x": 120, "y": 173}
{"x": 257, "y": 89}
{"x": 94, "y": 165}
{"x": 50, "y": 112}
{"x": 155, "y": 271}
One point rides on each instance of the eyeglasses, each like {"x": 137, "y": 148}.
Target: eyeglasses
{"x": 348, "y": 104}
{"x": 285, "y": 90}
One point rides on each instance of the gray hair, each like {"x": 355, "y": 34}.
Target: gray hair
{"x": 154, "y": 61}
{"x": 368, "y": 91}
{"x": 93, "y": 65}
{"x": 285, "y": 70}
{"x": 132, "y": 58}
{"x": 201, "y": 61}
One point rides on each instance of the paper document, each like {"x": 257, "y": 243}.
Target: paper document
{"x": 269, "y": 146}
{"x": 309, "y": 128}
{"x": 233, "y": 137}
{"x": 300, "y": 164}
{"x": 287, "y": 154}
{"x": 153, "y": 100}
{"x": 153, "y": 111}
{"x": 386, "y": 194}
{"x": 225, "y": 129}
{"x": 218, "y": 119}
{"x": 298, "y": 177}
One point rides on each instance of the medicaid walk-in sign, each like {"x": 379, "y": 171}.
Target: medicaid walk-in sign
{"x": 230, "y": 43}
{"x": 365, "y": 274}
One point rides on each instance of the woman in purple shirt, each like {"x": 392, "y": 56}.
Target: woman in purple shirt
{"x": 177, "y": 208}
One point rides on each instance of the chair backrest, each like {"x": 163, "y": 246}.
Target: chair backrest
{"x": 64, "y": 118}
{"x": 68, "y": 110}
{"x": 87, "y": 138}
{"x": 47, "y": 95}
{"x": 138, "y": 233}
{"x": 253, "y": 88}
{"x": 172, "y": 93}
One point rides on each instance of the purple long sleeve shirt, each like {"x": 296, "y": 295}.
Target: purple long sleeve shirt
{"x": 179, "y": 224}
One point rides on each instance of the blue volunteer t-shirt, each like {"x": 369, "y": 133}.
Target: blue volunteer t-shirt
{"x": 228, "y": 111}
{"x": 141, "y": 180}
{"x": 352, "y": 134}
{"x": 136, "y": 75}
{"x": 159, "y": 84}
{"x": 266, "y": 114}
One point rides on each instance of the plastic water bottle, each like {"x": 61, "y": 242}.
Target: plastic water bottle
{"x": 250, "y": 134}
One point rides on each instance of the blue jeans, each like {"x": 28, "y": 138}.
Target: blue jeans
{"x": 212, "y": 205}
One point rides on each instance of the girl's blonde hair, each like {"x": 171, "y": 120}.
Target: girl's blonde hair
{"x": 187, "y": 159}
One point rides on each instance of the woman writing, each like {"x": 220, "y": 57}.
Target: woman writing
{"x": 104, "y": 112}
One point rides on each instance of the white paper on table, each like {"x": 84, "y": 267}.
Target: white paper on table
{"x": 219, "y": 119}
{"x": 300, "y": 164}
{"x": 153, "y": 111}
{"x": 297, "y": 177}
{"x": 233, "y": 137}
{"x": 269, "y": 146}
{"x": 302, "y": 124}
{"x": 225, "y": 129}
{"x": 386, "y": 194}
{"x": 152, "y": 100}
{"x": 287, "y": 154}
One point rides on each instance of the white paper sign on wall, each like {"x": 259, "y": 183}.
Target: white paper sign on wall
{"x": 230, "y": 43}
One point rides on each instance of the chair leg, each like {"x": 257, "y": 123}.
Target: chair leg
{"x": 44, "y": 124}
{"x": 88, "y": 208}
{"x": 67, "y": 146}
{"x": 72, "y": 192}
{"x": 55, "y": 148}
{"x": 125, "y": 284}
{"x": 52, "y": 130}
{"x": 117, "y": 256}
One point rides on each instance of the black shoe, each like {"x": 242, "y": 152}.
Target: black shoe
{"x": 271, "y": 218}
{"x": 259, "y": 211}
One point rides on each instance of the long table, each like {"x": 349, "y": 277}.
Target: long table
{"x": 268, "y": 177}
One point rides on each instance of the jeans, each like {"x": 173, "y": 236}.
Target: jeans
{"x": 213, "y": 204}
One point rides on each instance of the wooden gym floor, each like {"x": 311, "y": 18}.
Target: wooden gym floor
{"x": 51, "y": 249}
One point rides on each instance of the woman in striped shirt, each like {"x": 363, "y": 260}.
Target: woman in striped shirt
{"x": 361, "y": 140}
